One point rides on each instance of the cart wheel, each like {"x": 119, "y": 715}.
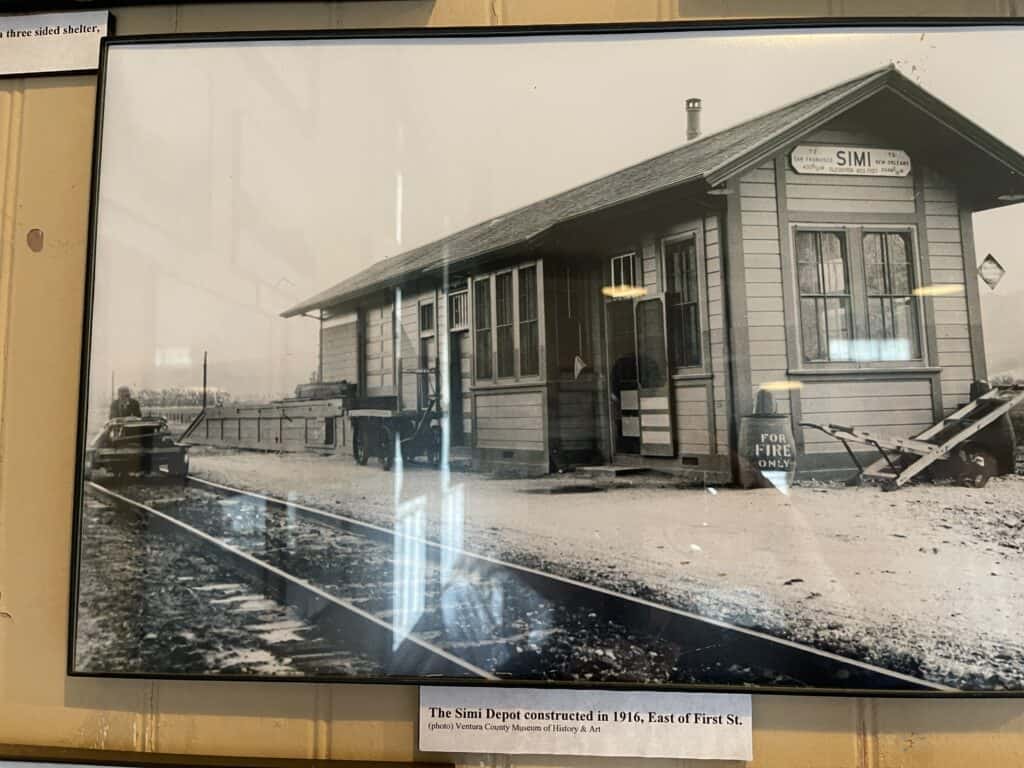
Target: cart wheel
{"x": 178, "y": 467}
{"x": 360, "y": 450}
{"x": 434, "y": 449}
{"x": 981, "y": 466}
{"x": 387, "y": 455}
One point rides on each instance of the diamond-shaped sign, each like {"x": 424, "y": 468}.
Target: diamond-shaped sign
{"x": 991, "y": 271}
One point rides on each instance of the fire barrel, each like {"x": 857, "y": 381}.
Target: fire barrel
{"x": 767, "y": 451}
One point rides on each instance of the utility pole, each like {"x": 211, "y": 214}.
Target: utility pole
{"x": 204, "y": 379}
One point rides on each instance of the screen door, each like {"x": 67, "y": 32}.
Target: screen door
{"x": 656, "y": 435}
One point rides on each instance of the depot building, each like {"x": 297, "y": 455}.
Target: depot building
{"x": 823, "y": 251}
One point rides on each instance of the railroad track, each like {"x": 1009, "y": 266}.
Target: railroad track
{"x": 423, "y": 608}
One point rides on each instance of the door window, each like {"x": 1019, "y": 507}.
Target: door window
{"x": 652, "y": 363}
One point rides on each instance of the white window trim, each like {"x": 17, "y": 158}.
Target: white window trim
{"x": 494, "y": 379}
{"x": 856, "y": 293}
{"x": 702, "y": 297}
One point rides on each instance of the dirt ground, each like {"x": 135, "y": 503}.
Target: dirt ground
{"x": 926, "y": 580}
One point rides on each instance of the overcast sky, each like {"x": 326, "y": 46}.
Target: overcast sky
{"x": 238, "y": 179}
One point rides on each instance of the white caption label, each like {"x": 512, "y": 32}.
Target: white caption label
{"x": 581, "y": 722}
{"x": 51, "y": 42}
{"x": 850, "y": 161}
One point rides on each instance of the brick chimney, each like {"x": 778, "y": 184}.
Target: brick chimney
{"x": 692, "y": 119}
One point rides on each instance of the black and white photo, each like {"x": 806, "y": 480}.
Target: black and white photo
{"x": 667, "y": 358}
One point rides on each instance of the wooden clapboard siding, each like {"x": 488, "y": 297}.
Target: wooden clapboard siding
{"x": 691, "y": 417}
{"x": 510, "y": 419}
{"x": 764, "y": 312}
{"x": 409, "y": 344}
{"x": 378, "y": 350}
{"x": 574, "y": 424}
{"x": 895, "y": 408}
{"x": 339, "y": 350}
{"x": 716, "y": 332}
{"x": 649, "y": 266}
{"x": 946, "y": 263}
{"x": 848, "y": 194}
{"x": 292, "y": 426}
{"x": 463, "y": 348}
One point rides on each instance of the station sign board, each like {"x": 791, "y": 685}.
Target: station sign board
{"x": 849, "y": 161}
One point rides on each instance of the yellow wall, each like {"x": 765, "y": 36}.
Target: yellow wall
{"x": 45, "y": 141}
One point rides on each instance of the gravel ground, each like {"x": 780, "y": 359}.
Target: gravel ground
{"x": 491, "y": 618}
{"x": 927, "y": 580}
{"x": 150, "y": 604}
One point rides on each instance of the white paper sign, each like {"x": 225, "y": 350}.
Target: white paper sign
{"x": 581, "y": 722}
{"x": 51, "y": 42}
{"x": 850, "y": 161}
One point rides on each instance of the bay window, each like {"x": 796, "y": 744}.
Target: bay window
{"x": 506, "y": 324}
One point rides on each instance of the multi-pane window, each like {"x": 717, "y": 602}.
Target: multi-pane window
{"x": 683, "y": 299}
{"x": 482, "y": 324}
{"x": 427, "y": 354}
{"x": 529, "y": 338}
{"x": 426, "y": 317}
{"x": 622, "y": 271}
{"x": 825, "y": 301}
{"x": 458, "y": 311}
{"x": 857, "y": 301}
{"x": 504, "y": 321}
{"x": 892, "y": 309}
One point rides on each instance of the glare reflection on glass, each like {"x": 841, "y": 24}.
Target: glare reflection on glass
{"x": 868, "y": 350}
{"x": 409, "y": 567}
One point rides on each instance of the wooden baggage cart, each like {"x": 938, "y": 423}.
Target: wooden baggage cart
{"x": 949, "y": 448}
{"x": 382, "y": 432}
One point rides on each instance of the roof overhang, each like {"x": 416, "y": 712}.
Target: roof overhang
{"x": 988, "y": 172}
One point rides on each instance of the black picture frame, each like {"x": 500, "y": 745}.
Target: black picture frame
{"x": 637, "y": 605}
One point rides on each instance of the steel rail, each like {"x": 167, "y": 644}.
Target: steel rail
{"x": 401, "y": 650}
{"x": 704, "y": 633}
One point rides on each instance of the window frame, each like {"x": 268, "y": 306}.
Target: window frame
{"x": 425, "y": 334}
{"x": 514, "y": 285}
{"x": 857, "y": 275}
{"x": 517, "y": 376}
{"x": 702, "y": 301}
{"x": 474, "y": 330}
{"x": 850, "y": 295}
{"x": 538, "y": 297}
{"x": 916, "y": 282}
{"x": 452, "y": 300}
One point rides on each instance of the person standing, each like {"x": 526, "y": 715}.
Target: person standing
{"x": 125, "y": 404}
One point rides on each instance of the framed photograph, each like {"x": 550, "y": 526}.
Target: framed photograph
{"x": 652, "y": 357}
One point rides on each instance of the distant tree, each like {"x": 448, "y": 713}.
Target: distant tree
{"x": 1005, "y": 380}
{"x": 180, "y": 396}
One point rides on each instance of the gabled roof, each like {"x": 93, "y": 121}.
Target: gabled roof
{"x": 707, "y": 161}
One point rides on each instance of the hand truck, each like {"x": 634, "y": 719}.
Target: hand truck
{"x": 943, "y": 447}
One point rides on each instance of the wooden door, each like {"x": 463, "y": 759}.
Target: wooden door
{"x": 459, "y": 384}
{"x": 657, "y": 437}
{"x": 623, "y": 395}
